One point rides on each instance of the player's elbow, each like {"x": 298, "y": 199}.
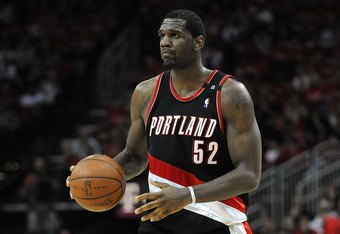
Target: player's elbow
{"x": 253, "y": 181}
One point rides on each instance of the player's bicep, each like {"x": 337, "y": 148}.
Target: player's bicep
{"x": 242, "y": 132}
{"x": 136, "y": 140}
{"x": 134, "y": 158}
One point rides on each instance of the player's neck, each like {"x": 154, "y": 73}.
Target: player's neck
{"x": 194, "y": 73}
{"x": 188, "y": 81}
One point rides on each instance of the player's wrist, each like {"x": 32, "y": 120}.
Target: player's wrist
{"x": 192, "y": 194}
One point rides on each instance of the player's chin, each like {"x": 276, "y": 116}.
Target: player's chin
{"x": 169, "y": 63}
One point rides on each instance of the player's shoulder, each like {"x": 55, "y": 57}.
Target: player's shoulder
{"x": 236, "y": 102}
{"x": 147, "y": 85}
{"x": 233, "y": 91}
{"x": 232, "y": 86}
{"x": 144, "y": 91}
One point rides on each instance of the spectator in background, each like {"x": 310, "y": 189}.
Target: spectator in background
{"x": 303, "y": 226}
{"x": 297, "y": 207}
{"x": 39, "y": 189}
{"x": 287, "y": 226}
{"x": 323, "y": 213}
{"x": 38, "y": 185}
{"x": 332, "y": 221}
{"x": 267, "y": 226}
{"x": 85, "y": 143}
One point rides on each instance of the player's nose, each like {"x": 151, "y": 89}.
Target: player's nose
{"x": 165, "y": 41}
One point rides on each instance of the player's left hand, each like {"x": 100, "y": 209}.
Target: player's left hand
{"x": 163, "y": 203}
{"x": 68, "y": 180}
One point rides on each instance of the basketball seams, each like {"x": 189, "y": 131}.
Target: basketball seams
{"x": 122, "y": 185}
{"x": 95, "y": 177}
{"x": 108, "y": 194}
{"x": 113, "y": 166}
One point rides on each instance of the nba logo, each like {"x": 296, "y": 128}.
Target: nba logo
{"x": 206, "y": 103}
{"x": 88, "y": 188}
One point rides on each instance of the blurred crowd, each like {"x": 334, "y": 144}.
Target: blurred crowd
{"x": 326, "y": 219}
{"x": 285, "y": 52}
{"x": 48, "y": 54}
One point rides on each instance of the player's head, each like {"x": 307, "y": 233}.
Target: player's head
{"x": 182, "y": 35}
{"x": 193, "y": 22}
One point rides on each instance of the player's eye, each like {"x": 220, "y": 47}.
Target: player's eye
{"x": 170, "y": 36}
{"x": 174, "y": 35}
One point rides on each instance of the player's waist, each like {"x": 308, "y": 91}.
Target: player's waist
{"x": 228, "y": 212}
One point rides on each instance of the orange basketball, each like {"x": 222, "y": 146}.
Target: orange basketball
{"x": 97, "y": 183}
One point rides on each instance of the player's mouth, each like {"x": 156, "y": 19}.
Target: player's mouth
{"x": 166, "y": 52}
{"x": 167, "y": 55}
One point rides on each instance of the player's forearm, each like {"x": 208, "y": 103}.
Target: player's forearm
{"x": 234, "y": 183}
{"x": 133, "y": 165}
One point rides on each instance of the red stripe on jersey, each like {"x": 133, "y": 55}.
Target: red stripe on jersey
{"x": 219, "y": 110}
{"x": 218, "y": 102}
{"x": 211, "y": 76}
{"x": 155, "y": 92}
{"x": 237, "y": 203}
{"x": 247, "y": 228}
{"x": 226, "y": 77}
{"x": 169, "y": 172}
{"x": 184, "y": 178}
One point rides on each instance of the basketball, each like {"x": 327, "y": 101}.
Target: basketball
{"x": 97, "y": 183}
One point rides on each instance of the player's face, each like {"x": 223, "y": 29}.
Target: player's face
{"x": 176, "y": 43}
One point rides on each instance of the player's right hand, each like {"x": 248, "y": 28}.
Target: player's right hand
{"x": 68, "y": 181}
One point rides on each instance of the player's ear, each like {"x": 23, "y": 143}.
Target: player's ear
{"x": 198, "y": 42}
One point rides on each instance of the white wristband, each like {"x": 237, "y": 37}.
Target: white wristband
{"x": 192, "y": 193}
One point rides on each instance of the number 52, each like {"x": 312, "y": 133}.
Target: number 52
{"x": 198, "y": 151}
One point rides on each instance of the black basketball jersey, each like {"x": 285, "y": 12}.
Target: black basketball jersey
{"x": 187, "y": 146}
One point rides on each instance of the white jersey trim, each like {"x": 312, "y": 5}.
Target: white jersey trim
{"x": 237, "y": 228}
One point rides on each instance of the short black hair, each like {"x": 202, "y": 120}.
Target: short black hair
{"x": 194, "y": 23}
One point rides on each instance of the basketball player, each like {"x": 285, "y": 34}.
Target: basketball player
{"x": 195, "y": 128}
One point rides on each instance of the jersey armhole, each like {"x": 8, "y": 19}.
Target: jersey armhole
{"x": 218, "y": 102}
{"x": 154, "y": 96}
